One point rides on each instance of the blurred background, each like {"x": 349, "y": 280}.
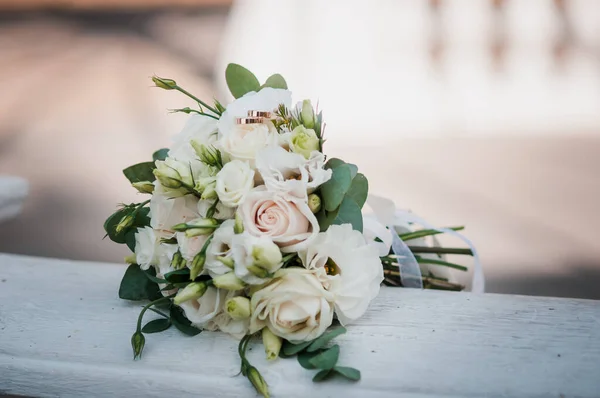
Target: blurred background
{"x": 481, "y": 113}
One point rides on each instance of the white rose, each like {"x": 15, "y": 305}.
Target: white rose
{"x": 348, "y": 267}
{"x": 243, "y": 141}
{"x": 255, "y": 258}
{"x": 198, "y": 127}
{"x": 220, "y": 247}
{"x": 286, "y": 220}
{"x": 234, "y": 181}
{"x": 235, "y": 327}
{"x": 149, "y": 251}
{"x": 291, "y": 173}
{"x": 165, "y": 211}
{"x": 202, "y": 311}
{"x": 294, "y": 306}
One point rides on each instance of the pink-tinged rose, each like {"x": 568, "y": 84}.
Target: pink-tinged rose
{"x": 285, "y": 219}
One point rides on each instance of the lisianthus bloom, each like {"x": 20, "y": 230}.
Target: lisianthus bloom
{"x": 348, "y": 267}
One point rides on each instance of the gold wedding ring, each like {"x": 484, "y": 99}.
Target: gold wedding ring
{"x": 249, "y": 120}
{"x": 264, "y": 114}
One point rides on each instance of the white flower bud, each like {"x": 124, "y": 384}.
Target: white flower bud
{"x": 267, "y": 255}
{"x": 308, "y": 114}
{"x": 238, "y": 227}
{"x": 304, "y": 141}
{"x": 272, "y": 344}
{"x": 228, "y": 281}
{"x": 173, "y": 174}
{"x": 144, "y": 186}
{"x": 238, "y": 308}
{"x": 192, "y": 291}
{"x": 164, "y": 83}
{"x": 314, "y": 202}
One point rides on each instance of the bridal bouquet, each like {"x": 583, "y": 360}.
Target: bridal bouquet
{"x": 251, "y": 230}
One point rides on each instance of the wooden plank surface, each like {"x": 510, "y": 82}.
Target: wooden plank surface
{"x": 64, "y": 332}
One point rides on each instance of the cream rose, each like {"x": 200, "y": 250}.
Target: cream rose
{"x": 234, "y": 181}
{"x": 242, "y": 141}
{"x": 294, "y": 306}
{"x": 348, "y": 267}
{"x": 286, "y": 220}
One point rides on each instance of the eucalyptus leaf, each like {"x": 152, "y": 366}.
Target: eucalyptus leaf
{"x": 161, "y": 154}
{"x": 110, "y": 225}
{"x": 151, "y": 274}
{"x": 276, "y": 81}
{"x": 142, "y": 218}
{"x": 134, "y": 285}
{"x": 348, "y": 372}
{"x": 325, "y": 338}
{"x": 335, "y": 162}
{"x": 157, "y": 325}
{"x": 349, "y": 213}
{"x": 333, "y": 191}
{"x": 140, "y": 172}
{"x": 326, "y": 359}
{"x": 182, "y": 323}
{"x": 326, "y": 218}
{"x": 180, "y": 275}
{"x": 130, "y": 239}
{"x": 240, "y": 80}
{"x": 359, "y": 190}
{"x": 322, "y": 375}
{"x": 291, "y": 349}
{"x": 153, "y": 291}
{"x": 305, "y": 357}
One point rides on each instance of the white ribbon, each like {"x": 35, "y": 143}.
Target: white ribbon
{"x": 410, "y": 271}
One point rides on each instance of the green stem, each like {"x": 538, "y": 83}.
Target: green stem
{"x": 440, "y": 262}
{"x": 210, "y": 108}
{"x": 440, "y": 250}
{"x": 141, "y": 316}
{"x": 425, "y": 232}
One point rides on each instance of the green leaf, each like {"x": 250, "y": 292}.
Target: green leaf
{"x": 153, "y": 291}
{"x": 325, "y": 338}
{"x": 326, "y": 359}
{"x": 157, "y": 325}
{"x": 140, "y": 172}
{"x": 151, "y": 274}
{"x": 326, "y": 218}
{"x": 348, "y": 372}
{"x": 305, "y": 357}
{"x": 359, "y": 190}
{"x": 142, "y": 219}
{"x": 134, "y": 285}
{"x": 181, "y": 275}
{"x": 349, "y": 213}
{"x": 275, "y": 81}
{"x": 291, "y": 349}
{"x": 323, "y": 375}
{"x": 335, "y": 162}
{"x": 130, "y": 239}
{"x": 111, "y": 223}
{"x": 182, "y": 323}
{"x": 240, "y": 80}
{"x": 161, "y": 154}
{"x": 333, "y": 191}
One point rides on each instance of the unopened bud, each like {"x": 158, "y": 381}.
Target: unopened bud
{"x": 266, "y": 255}
{"x": 173, "y": 174}
{"x": 209, "y": 192}
{"x": 272, "y": 344}
{"x": 226, "y": 261}
{"x": 131, "y": 259}
{"x": 167, "y": 84}
{"x": 238, "y": 227}
{"x": 126, "y": 222}
{"x": 260, "y": 385}
{"x": 144, "y": 186}
{"x": 176, "y": 260}
{"x": 238, "y": 308}
{"x": 228, "y": 281}
{"x": 137, "y": 343}
{"x": 192, "y": 291}
{"x": 197, "y": 265}
{"x": 314, "y": 202}
{"x": 308, "y": 114}
{"x": 258, "y": 271}
{"x": 207, "y": 154}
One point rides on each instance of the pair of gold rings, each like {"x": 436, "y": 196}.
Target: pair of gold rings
{"x": 254, "y": 117}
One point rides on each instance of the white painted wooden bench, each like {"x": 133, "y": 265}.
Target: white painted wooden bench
{"x": 64, "y": 332}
